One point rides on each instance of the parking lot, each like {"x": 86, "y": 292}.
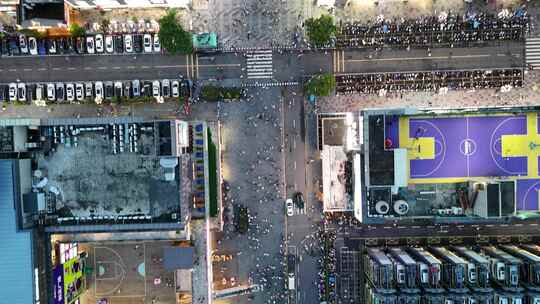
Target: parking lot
{"x": 97, "y": 91}
{"x": 127, "y": 43}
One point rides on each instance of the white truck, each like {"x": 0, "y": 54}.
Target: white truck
{"x": 291, "y": 281}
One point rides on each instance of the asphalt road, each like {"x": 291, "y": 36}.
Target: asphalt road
{"x": 288, "y": 66}
{"x": 118, "y": 67}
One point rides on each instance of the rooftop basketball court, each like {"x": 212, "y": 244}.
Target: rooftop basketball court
{"x": 128, "y": 272}
{"x": 453, "y": 149}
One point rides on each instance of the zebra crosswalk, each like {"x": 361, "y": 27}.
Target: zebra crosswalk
{"x": 259, "y": 64}
{"x": 532, "y": 52}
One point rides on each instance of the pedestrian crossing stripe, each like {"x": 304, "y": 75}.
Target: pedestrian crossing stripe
{"x": 259, "y": 64}
{"x": 532, "y": 52}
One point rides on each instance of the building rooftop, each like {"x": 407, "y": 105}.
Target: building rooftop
{"x": 16, "y": 247}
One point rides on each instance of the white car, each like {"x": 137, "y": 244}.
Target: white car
{"x": 70, "y": 92}
{"x": 90, "y": 45}
{"x": 157, "y": 45}
{"x": 32, "y": 45}
{"x": 290, "y": 207}
{"x": 51, "y": 92}
{"x": 21, "y": 92}
{"x": 88, "y": 90}
{"x": 128, "y": 43}
{"x": 147, "y": 43}
{"x": 99, "y": 43}
{"x": 109, "y": 44}
{"x": 22, "y": 44}
{"x": 175, "y": 88}
{"x": 39, "y": 92}
{"x": 98, "y": 87}
{"x": 155, "y": 88}
{"x": 79, "y": 91}
{"x": 12, "y": 92}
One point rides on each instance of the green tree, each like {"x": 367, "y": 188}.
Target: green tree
{"x": 76, "y": 30}
{"x": 172, "y": 36}
{"x": 105, "y": 22}
{"x": 320, "y": 30}
{"x": 321, "y": 84}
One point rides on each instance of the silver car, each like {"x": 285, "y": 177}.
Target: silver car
{"x": 155, "y": 88}
{"x": 70, "y": 92}
{"x": 88, "y": 90}
{"x": 136, "y": 87}
{"x": 165, "y": 88}
{"x": 98, "y": 86}
{"x": 51, "y": 92}
{"x": 79, "y": 91}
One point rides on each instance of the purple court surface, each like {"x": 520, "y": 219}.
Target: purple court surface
{"x": 468, "y": 146}
{"x": 527, "y": 194}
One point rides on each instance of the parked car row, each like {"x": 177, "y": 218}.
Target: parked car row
{"x": 90, "y": 44}
{"x": 78, "y": 91}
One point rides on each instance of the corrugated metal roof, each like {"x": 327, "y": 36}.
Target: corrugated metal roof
{"x": 16, "y": 279}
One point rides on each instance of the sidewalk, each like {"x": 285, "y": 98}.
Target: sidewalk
{"x": 200, "y": 277}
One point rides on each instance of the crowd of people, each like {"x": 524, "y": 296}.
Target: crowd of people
{"x": 437, "y": 81}
{"x": 447, "y": 29}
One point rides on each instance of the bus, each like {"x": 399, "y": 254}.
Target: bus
{"x": 405, "y": 268}
{"x": 530, "y": 268}
{"x": 429, "y": 268}
{"x": 453, "y": 268}
{"x": 504, "y": 267}
{"x": 379, "y": 268}
{"x": 478, "y": 273}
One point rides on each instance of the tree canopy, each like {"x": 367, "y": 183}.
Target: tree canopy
{"x": 321, "y": 85}
{"x": 76, "y": 30}
{"x": 321, "y": 30}
{"x": 172, "y": 36}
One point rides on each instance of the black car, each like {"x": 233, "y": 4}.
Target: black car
{"x": 79, "y": 45}
{"x": 299, "y": 200}
{"x": 31, "y": 92}
{"x": 109, "y": 91}
{"x": 70, "y": 43}
{"x": 5, "y": 48}
{"x": 127, "y": 89}
{"x": 60, "y": 46}
{"x": 138, "y": 43}
{"x": 118, "y": 44}
{"x": 4, "y": 92}
{"x": 147, "y": 89}
{"x": 13, "y": 47}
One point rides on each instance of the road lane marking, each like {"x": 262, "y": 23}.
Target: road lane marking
{"x": 144, "y": 67}
{"x": 87, "y": 68}
{"x": 71, "y": 69}
{"x": 116, "y": 68}
{"x": 12, "y": 70}
{"x": 56, "y": 69}
{"x": 187, "y": 66}
{"x": 102, "y": 68}
{"x": 419, "y": 58}
{"x": 197, "y": 64}
{"x": 27, "y": 70}
{"x": 130, "y": 67}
